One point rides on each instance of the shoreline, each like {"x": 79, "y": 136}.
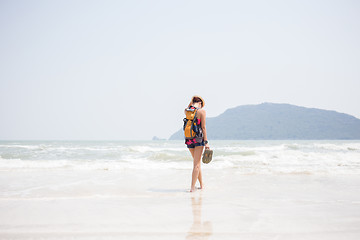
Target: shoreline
{"x": 158, "y": 207}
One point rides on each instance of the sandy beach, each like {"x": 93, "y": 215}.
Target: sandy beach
{"x": 156, "y": 205}
{"x": 140, "y": 190}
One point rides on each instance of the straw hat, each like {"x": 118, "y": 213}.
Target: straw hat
{"x": 197, "y": 96}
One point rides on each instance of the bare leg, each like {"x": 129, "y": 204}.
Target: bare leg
{"x": 192, "y": 151}
{"x": 200, "y": 178}
{"x": 197, "y": 152}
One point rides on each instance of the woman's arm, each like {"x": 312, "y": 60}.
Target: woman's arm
{"x": 203, "y": 126}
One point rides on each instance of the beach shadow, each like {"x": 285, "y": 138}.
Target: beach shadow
{"x": 198, "y": 229}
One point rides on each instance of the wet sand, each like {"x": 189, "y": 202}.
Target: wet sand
{"x": 138, "y": 204}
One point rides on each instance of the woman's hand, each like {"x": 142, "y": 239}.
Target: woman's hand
{"x": 207, "y": 146}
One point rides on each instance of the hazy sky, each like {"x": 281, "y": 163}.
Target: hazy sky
{"x": 122, "y": 70}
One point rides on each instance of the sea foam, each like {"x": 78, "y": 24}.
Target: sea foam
{"x": 247, "y": 157}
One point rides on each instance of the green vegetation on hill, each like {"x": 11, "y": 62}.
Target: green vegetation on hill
{"x": 280, "y": 121}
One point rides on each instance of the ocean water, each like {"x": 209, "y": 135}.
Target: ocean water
{"x": 245, "y": 157}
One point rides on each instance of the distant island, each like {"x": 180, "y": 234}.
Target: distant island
{"x": 273, "y": 121}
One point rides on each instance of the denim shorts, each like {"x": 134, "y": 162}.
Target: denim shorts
{"x": 193, "y": 143}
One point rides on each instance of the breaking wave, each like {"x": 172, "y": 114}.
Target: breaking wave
{"x": 247, "y": 157}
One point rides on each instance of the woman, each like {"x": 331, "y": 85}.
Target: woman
{"x": 196, "y": 145}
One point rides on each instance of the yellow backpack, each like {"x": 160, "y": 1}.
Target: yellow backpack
{"x": 191, "y": 128}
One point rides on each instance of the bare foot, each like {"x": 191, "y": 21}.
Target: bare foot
{"x": 192, "y": 190}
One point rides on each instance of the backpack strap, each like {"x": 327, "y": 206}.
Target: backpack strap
{"x": 195, "y": 117}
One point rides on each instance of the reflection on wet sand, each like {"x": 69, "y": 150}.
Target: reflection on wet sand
{"x": 199, "y": 229}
